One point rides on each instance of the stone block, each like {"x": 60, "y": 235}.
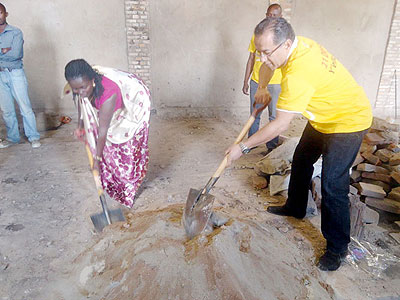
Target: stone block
{"x": 394, "y": 168}
{"x": 384, "y": 204}
{"x": 394, "y": 148}
{"x": 259, "y": 182}
{"x": 383, "y": 125}
{"x": 370, "y": 190}
{"x": 396, "y": 176}
{"x": 373, "y": 138}
{"x": 384, "y": 155}
{"x": 394, "y": 195}
{"x": 278, "y": 161}
{"x": 386, "y": 187}
{"x": 390, "y": 137}
{"x": 395, "y": 236}
{"x": 367, "y": 148}
{"x": 397, "y": 223}
{"x": 278, "y": 183}
{"x": 376, "y": 176}
{"x": 370, "y": 216}
{"x": 356, "y": 216}
{"x": 358, "y": 160}
{"x": 372, "y": 168}
{"x": 395, "y": 159}
{"x": 371, "y": 158}
{"x": 353, "y": 190}
{"x": 355, "y": 175}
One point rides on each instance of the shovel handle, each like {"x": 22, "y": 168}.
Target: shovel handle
{"x": 95, "y": 173}
{"x": 240, "y": 137}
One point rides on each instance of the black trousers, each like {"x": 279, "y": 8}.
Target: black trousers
{"x": 338, "y": 151}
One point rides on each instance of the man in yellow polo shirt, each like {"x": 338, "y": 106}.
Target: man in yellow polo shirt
{"x": 316, "y": 85}
{"x": 274, "y": 87}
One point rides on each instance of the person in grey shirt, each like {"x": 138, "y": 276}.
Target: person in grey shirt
{"x": 13, "y": 85}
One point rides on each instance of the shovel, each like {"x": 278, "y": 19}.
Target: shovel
{"x": 106, "y": 217}
{"x": 199, "y": 203}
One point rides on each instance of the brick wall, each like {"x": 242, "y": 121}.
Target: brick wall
{"x": 138, "y": 40}
{"x": 385, "y": 101}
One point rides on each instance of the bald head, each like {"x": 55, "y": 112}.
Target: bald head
{"x": 274, "y": 10}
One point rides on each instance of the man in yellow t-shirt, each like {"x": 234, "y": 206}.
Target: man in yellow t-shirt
{"x": 252, "y": 68}
{"x": 316, "y": 85}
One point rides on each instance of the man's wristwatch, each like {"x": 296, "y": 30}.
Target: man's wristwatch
{"x": 244, "y": 148}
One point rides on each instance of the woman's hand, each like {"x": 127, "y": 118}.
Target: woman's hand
{"x": 262, "y": 96}
{"x": 79, "y": 133}
{"x": 234, "y": 152}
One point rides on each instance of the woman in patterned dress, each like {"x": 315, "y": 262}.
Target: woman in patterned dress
{"x": 114, "y": 112}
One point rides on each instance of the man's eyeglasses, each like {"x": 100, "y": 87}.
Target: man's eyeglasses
{"x": 268, "y": 54}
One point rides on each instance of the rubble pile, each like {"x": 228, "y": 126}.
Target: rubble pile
{"x": 375, "y": 175}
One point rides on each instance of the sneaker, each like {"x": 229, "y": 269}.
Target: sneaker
{"x": 6, "y": 144}
{"x": 36, "y": 144}
{"x": 331, "y": 261}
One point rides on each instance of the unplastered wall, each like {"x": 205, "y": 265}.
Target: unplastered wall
{"x": 199, "y": 53}
{"x": 57, "y": 31}
{"x": 199, "y": 48}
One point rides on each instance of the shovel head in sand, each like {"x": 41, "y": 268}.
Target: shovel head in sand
{"x": 195, "y": 217}
{"x": 106, "y": 217}
{"x": 199, "y": 204}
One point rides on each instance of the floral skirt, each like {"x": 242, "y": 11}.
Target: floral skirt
{"x": 124, "y": 167}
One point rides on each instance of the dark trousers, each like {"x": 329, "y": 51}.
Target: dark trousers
{"x": 338, "y": 152}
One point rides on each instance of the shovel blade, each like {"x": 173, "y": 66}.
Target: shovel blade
{"x": 197, "y": 214}
{"x": 100, "y": 221}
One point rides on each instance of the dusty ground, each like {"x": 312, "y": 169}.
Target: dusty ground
{"x": 48, "y": 249}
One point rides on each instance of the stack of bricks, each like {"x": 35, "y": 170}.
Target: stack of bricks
{"x": 375, "y": 174}
{"x": 138, "y": 40}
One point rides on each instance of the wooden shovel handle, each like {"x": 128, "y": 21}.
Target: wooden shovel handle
{"x": 95, "y": 173}
{"x": 240, "y": 137}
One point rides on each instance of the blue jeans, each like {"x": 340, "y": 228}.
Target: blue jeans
{"x": 274, "y": 90}
{"x": 13, "y": 85}
{"x": 338, "y": 152}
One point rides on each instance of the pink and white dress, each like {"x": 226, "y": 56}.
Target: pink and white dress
{"x": 126, "y": 152}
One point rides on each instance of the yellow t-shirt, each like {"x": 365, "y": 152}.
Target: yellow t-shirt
{"x": 276, "y": 78}
{"x": 317, "y": 85}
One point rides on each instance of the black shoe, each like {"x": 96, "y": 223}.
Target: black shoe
{"x": 331, "y": 261}
{"x": 279, "y": 210}
{"x": 282, "y": 211}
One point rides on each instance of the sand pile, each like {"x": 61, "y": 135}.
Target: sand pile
{"x": 149, "y": 257}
